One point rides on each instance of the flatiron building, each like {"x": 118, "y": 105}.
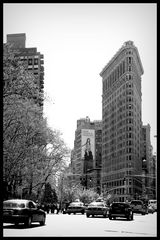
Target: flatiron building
{"x": 122, "y": 124}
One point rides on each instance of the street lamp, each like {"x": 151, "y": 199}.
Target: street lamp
{"x": 143, "y": 176}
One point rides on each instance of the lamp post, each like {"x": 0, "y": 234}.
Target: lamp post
{"x": 143, "y": 177}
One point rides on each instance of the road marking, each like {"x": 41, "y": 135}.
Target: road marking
{"x": 128, "y": 232}
{"x": 136, "y": 233}
{"x": 110, "y": 231}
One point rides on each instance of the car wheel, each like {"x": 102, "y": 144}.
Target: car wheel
{"x": 28, "y": 222}
{"x": 92, "y": 215}
{"x": 105, "y": 215}
{"x": 43, "y": 221}
{"x": 87, "y": 215}
{"x": 129, "y": 217}
{"x": 110, "y": 218}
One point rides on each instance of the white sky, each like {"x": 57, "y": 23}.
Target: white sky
{"x": 77, "y": 41}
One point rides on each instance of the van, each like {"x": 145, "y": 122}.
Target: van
{"x": 153, "y": 203}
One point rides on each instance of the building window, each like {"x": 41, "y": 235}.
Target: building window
{"x": 121, "y": 69}
{"x": 30, "y": 61}
{"x": 35, "y": 61}
{"x": 130, "y": 77}
{"x": 129, "y": 68}
{"x": 129, "y": 60}
{"x": 123, "y": 66}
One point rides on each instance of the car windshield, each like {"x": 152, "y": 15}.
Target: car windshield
{"x": 136, "y": 202}
{"x": 152, "y": 201}
{"x": 100, "y": 204}
{"x": 13, "y": 205}
{"x": 119, "y": 205}
{"x": 79, "y": 204}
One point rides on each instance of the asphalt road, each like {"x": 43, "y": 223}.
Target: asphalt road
{"x": 64, "y": 225}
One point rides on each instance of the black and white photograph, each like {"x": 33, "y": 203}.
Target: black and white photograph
{"x": 79, "y": 119}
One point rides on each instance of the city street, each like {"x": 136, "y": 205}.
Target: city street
{"x": 62, "y": 225}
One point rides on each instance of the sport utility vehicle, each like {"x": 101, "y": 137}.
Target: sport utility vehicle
{"x": 120, "y": 209}
{"x": 138, "y": 207}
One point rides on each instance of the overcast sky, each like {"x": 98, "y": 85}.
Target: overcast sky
{"x": 77, "y": 41}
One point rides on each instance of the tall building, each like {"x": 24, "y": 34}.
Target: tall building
{"x": 94, "y": 173}
{"x": 148, "y": 165}
{"x": 121, "y": 124}
{"x": 153, "y": 181}
{"x": 33, "y": 59}
{"x": 86, "y": 156}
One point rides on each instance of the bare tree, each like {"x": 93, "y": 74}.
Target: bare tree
{"x": 27, "y": 160}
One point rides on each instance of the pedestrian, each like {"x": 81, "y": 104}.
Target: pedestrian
{"x": 53, "y": 208}
{"x": 64, "y": 208}
{"x": 58, "y": 208}
{"x": 47, "y": 208}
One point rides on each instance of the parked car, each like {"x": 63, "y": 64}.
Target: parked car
{"x": 120, "y": 209}
{"x": 139, "y": 207}
{"x": 97, "y": 208}
{"x": 22, "y": 211}
{"x": 153, "y": 203}
{"x": 151, "y": 209}
{"x": 76, "y": 207}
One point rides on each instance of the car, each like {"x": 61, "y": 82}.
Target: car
{"x": 22, "y": 211}
{"x": 151, "y": 209}
{"x": 120, "y": 209}
{"x": 97, "y": 208}
{"x": 153, "y": 203}
{"x": 76, "y": 207}
{"x": 138, "y": 207}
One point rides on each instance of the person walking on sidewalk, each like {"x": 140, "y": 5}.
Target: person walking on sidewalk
{"x": 58, "y": 208}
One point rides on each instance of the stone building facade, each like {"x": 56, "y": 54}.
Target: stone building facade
{"x": 122, "y": 124}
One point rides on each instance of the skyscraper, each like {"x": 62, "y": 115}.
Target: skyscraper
{"x": 33, "y": 59}
{"x": 122, "y": 124}
{"x": 86, "y": 156}
{"x": 148, "y": 162}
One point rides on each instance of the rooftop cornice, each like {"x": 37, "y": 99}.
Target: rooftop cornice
{"x": 126, "y": 45}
